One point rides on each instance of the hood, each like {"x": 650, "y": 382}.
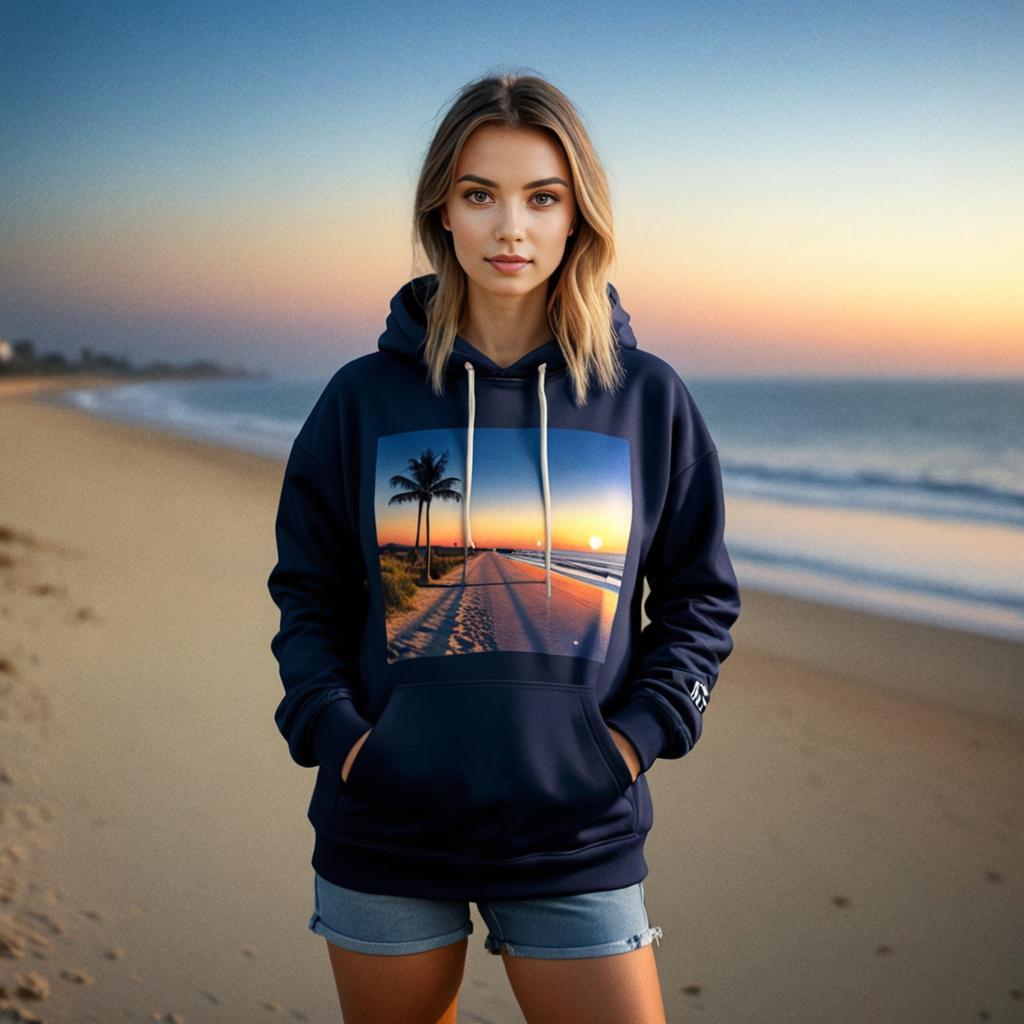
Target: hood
{"x": 405, "y": 333}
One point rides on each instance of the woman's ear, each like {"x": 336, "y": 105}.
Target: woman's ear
{"x": 444, "y": 217}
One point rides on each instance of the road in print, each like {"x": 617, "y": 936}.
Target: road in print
{"x": 440, "y": 603}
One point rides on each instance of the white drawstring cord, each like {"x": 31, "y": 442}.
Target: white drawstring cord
{"x": 544, "y": 474}
{"x": 467, "y": 536}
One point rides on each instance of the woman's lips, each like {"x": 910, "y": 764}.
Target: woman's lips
{"x": 509, "y": 266}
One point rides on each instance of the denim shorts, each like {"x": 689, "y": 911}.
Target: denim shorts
{"x": 555, "y": 928}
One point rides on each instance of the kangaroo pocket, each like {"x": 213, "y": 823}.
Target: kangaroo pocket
{"x": 492, "y": 769}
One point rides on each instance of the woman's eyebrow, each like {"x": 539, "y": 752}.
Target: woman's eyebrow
{"x": 529, "y": 184}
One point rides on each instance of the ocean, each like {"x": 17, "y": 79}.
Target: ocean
{"x": 903, "y": 496}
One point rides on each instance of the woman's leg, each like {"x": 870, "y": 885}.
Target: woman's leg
{"x": 590, "y": 990}
{"x": 414, "y": 988}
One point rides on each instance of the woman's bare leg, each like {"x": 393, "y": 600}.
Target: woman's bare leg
{"x": 417, "y": 988}
{"x": 591, "y": 990}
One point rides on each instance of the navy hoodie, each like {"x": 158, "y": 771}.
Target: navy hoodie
{"x": 490, "y": 772}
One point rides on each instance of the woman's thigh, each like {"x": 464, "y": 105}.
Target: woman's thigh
{"x": 581, "y": 958}
{"x": 393, "y": 957}
{"x": 415, "y": 988}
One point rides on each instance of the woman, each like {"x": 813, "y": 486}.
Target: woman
{"x": 463, "y": 531}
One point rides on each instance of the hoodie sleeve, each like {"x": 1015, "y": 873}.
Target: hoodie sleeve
{"x": 694, "y": 601}
{"x": 319, "y": 585}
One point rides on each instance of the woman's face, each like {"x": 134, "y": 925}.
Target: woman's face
{"x": 490, "y": 211}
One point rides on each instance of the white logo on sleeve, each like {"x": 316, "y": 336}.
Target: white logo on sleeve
{"x": 699, "y": 695}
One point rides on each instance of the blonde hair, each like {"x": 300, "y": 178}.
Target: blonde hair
{"x": 578, "y": 307}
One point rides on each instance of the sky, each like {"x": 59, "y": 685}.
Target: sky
{"x": 798, "y": 189}
{"x": 589, "y": 476}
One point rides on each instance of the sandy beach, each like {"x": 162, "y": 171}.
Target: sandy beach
{"x": 844, "y": 844}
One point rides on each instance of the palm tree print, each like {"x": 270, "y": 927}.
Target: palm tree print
{"x": 424, "y": 482}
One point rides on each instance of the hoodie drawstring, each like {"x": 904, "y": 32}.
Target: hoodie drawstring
{"x": 544, "y": 473}
{"x": 467, "y": 535}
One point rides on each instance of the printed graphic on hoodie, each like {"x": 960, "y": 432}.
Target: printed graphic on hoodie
{"x": 495, "y": 598}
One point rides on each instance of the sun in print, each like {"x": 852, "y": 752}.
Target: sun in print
{"x": 595, "y": 543}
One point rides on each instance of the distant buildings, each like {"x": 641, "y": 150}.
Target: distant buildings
{"x": 19, "y": 358}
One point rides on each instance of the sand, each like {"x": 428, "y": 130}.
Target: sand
{"x": 843, "y": 845}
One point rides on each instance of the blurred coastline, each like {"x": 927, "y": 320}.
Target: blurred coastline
{"x": 903, "y": 498}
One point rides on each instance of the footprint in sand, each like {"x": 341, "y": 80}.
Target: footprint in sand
{"x": 18, "y": 937}
{"x": 10, "y": 887}
{"x": 13, "y": 853}
{"x": 77, "y": 975}
{"x": 55, "y": 927}
{"x": 32, "y": 985}
{"x": 474, "y": 630}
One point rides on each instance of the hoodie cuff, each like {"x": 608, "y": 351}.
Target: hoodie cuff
{"x": 640, "y": 722}
{"x": 337, "y": 729}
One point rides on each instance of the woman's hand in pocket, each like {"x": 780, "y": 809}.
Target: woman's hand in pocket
{"x": 346, "y": 768}
{"x": 628, "y": 752}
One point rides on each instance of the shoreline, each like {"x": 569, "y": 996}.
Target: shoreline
{"x": 144, "y": 433}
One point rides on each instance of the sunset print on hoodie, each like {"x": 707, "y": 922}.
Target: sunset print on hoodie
{"x": 486, "y": 599}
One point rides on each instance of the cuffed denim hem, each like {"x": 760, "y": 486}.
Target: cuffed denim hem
{"x": 318, "y": 925}
{"x": 644, "y": 938}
